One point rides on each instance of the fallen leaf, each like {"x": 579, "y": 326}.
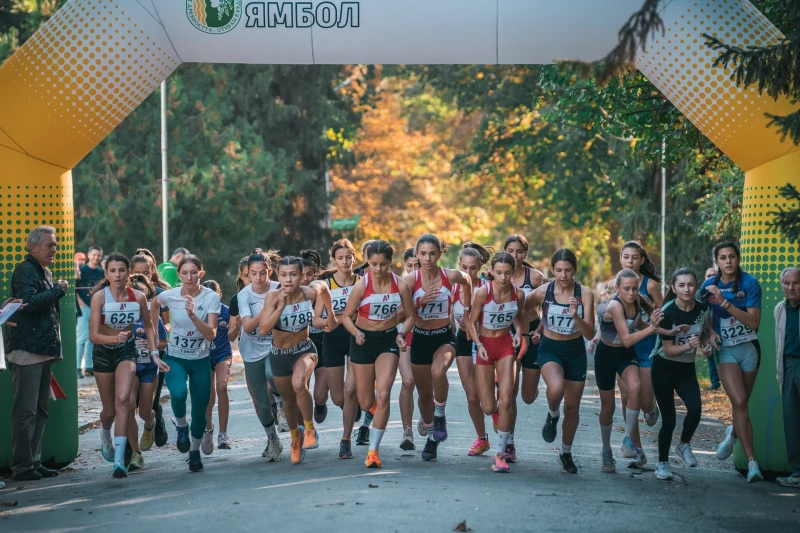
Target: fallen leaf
{"x": 9, "y": 504}
{"x": 462, "y": 526}
{"x": 373, "y": 486}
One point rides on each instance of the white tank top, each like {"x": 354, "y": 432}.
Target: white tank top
{"x": 120, "y": 315}
{"x": 295, "y": 317}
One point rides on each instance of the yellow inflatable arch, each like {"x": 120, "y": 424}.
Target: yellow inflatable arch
{"x": 85, "y": 70}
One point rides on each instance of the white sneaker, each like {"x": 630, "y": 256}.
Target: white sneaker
{"x": 685, "y": 453}
{"x": 639, "y": 460}
{"x": 753, "y": 472}
{"x": 628, "y": 450}
{"x": 283, "y": 425}
{"x": 273, "y": 451}
{"x": 223, "y": 442}
{"x": 663, "y": 471}
{"x": 792, "y": 481}
{"x": 107, "y": 448}
{"x": 725, "y": 448}
{"x": 651, "y": 418}
{"x": 207, "y": 444}
{"x": 421, "y": 429}
{"x": 2, "y": 484}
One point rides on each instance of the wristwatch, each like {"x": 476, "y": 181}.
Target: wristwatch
{"x": 154, "y": 353}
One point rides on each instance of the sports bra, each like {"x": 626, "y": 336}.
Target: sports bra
{"x": 608, "y": 330}
{"x": 295, "y": 317}
{"x": 378, "y": 307}
{"x": 439, "y": 308}
{"x": 556, "y": 316}
{"x": 458, "y": 305}
{"x": 496, "y": 315}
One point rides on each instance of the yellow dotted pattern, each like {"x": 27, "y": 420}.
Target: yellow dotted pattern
{"x": 82, "y": 73}
{"x": 680, "y": 65}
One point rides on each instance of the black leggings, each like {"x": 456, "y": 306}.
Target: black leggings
{"x": 668, "y": 376}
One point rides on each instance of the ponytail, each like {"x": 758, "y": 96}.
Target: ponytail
{"x": 717, "y": 249}
{"x": 648, "y": 268}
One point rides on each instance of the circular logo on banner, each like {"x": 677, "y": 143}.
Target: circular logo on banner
{"x": 214, "y": 16}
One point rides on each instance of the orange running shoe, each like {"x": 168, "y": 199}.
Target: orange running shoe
{"x": 310, "y": 441}
{"x": 499, "y": 464}
{"x": 298, "y": 453}
{"x": 479, "y": 447}
{"x": 373, "y": 461}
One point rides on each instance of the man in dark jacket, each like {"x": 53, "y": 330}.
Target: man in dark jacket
{"x": 31, "y": 347}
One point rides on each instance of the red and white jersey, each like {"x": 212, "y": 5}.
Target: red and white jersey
{"x": 499, "y": 315}
{"x": 440, "y": 307}
{"x": 458, "y": 305}
{"x": 379, "y": 306}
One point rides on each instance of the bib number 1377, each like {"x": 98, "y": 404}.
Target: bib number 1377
{"x": 187, "y": 343}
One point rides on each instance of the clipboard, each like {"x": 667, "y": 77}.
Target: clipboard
{"x": 8, "y": 311}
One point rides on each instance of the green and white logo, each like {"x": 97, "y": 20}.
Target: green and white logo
{"x": 214, "y": 16}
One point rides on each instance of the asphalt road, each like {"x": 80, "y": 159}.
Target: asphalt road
{"x": 239, "y": 492}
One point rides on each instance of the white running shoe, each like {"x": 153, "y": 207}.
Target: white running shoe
{"x": 792, "y": 481}
{"x": 663, "y": 471}
{"x": 725, "y": 448}
{"x": 628, "y": 449}
{"x": 223, "y": 441}
{"x": 207, "y": 444}
{"x": 685, "y": 453}
{"x": 273, "y": 451}
{"x": 421, "y": 429}
{"x": 638, "y": 461}
{"x": 753, "y": 472}
{"x": 107, "y": 448}
{"x": 283, "y": 425}
{"x": 651, "y": 418}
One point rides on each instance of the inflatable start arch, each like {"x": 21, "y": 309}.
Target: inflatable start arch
{"x": 85, "y": 70}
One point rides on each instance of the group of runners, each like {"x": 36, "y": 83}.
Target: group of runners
{"x": 352, "y": 327}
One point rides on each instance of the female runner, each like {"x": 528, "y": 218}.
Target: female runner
{"x": 115, "y": 308}
{"x": 312, "y": 264}
{"x": 255, "y": 347}
{"x": 220, "y": 357}
{"x": 622, "y": 327}
{"x": 471, "y": 260}
{"x": 735, "y": 299}
{"x": 673, "y": 366}
{"x": 194, "y": 311}
{"x": 433, "y": 342}
{"x": 528, "y": 279}
{"x": 144, "y": 386}
{"x": 287, "y": 314}
{"x": 406, "y": 400}
{"x": 497, "y": 306}
{"x": 377, "y": 338}
{"x": 562, "y": 353}
{"x": 336, "y": 343}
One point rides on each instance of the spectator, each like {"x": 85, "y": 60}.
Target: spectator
{"x": 169, "y": 270}
{"x": 787, "y": 350}
{"x": 33, "y": 345}
{"x": 90, "y": 275}
{"x": 712, "y": 363}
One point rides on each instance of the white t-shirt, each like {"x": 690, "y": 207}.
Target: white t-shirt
{"x": 252, "y": 346}
{"x": 185, "y": 341}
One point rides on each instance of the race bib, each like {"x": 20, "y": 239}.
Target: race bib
{"x": 560, "y": 321}
{"x": 499, "y": 316}
{"x": 186, "y": 342}
{"x": 383, "y": 306}
{"x": 142, "y": 354}
{"x": 734, "y": 332}
{"x": 316, "y": 331}
{"x": 683, "y": 338}
{"x": 296, "y": 317}
{"x": 120, "y": 315}
{"x": 435, "y": 310}
{"x": 339, "y": 299}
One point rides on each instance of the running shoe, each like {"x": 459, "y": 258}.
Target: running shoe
{"x": 107, "y": 448}
{"x": 628, "y": 449}
{"x": 479, "y": 447}
{"x": 223, "y": 442}
{"x": 161, "y": 435}
{"x": 373, "y": 461}
{"x": 183, "y": 442}
{"x": 439, "y": 428}
{"x": 499, "y": 464}
{"x": 511, "y": 453}
{"x": 311, "y": 440}
{"x": 119, "y": 471}
{"x": 207, "y": 444}
{"x": 362, "y": 436}
{"x": 298, "y": 452}
{"x": 272, "y": 453}
{"x": 792, "y": 481}
{"x": 685, "y": 453}
{"x": 642, "y": 457}
{"x": 550, "y": 429}
{"x": 495, "y": 419}
{"x": 567, "y": 464}
{"x": 195, "y": 463}
{"x": 725, "y": 448}
{"x": 663, "y": 471}
{"x": 408, "y": 441}
{"x": 137, "y": 462}
{"x": 266, "y": 447}
{"x": 753, "y": 472}
{"x": 421, "y": 429}
{"x": 609, "y": 464}
{"x": 320, "y": 413}
{"x": 345, "y": 449}
{"x": 283, "y": 425}
{"x": 146, "y": 442}
{"x": 651, "y": 418}
{"x": 429, "y": 452}
{"x": 638, "y": 461}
